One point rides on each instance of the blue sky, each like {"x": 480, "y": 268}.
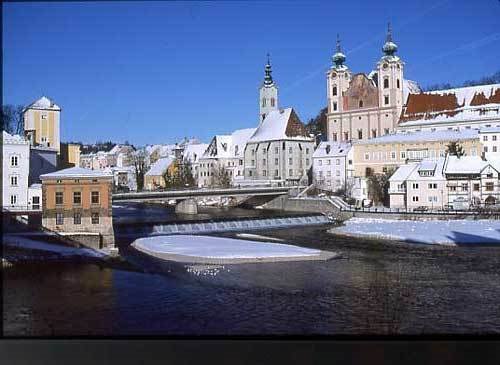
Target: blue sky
{"x": 154, "y": 72}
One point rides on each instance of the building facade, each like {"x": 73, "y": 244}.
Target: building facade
{"x": 15, "y": 171}
{"x": 69, "y": 156}
{"x": 361, "y": 106}
{"x": 42, "y": 123}
{"x": 333, "y": 167}
{"x": 77, "y": 201}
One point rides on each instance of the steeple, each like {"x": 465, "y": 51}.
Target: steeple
{"x": 268, "y": 79}
{"x": 389, "y": 47}
{"x": 338, "y": 58}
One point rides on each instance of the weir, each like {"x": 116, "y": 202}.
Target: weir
{"x": 222, "y": 226}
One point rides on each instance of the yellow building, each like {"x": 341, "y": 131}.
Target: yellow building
{"x": 41, "y": 123}
{"x": 153, "y": 179}
{"x": 69, "y": 155}
{"x": 378, "y": 155}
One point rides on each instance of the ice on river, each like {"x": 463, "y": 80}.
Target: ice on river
{"x": 219, "y": 247}
{"x": 448, "y": 232}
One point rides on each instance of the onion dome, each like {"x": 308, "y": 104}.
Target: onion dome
{"x": 389, "y": 47}
{"x": 338, "y": 58}
{"x": 268, "y": 79}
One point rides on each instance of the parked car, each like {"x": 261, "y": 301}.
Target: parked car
{"x": 421, "y": 208}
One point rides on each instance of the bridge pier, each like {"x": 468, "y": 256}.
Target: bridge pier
{"x": 187, "y": 206}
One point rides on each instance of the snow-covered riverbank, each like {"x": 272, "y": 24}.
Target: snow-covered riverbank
{"x": 445, "y": 232}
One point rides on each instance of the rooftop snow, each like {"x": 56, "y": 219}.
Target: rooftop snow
{"x": 428, "y": 136}
{"x": 194, "y": 151}
{"x": 278, "y": 125}
{"x": 332, "y": 149}
{"x": 435, "y": 165}
{"x": 464, "y": 165}
{"x": 403, "y": 171}
{"x": 13, "y": 139}
{"x": 160, "y": 166}
{"x": 44, "y": 103}
{"x": 73, "y": 172}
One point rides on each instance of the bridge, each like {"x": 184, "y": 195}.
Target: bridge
{"x": 186, "y": 196}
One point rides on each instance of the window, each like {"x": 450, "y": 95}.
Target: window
{"x": 290, "y": 150}
{"x": 263, "y": 161}
{"x": 77, "y": 197}
{"x": 59, "y": 198}
{"x": 59, "y": 219}
{"x": 334, "y": 137}
{"x": 275, "y": 172}
{"x": 307, "y": 161}
{"x": 307, "y": 151}
{"x": 494, "y": 148}
{"x": 77, "y": 218}
{"x": 360, "y": 134}
{"x": 253, "y": 152}
{"x": 367, "y": 156}
{"x": 346, "y": 136}
{"x": 337, "y": 173}
{"x": 263, "y": 102}
{"x": 334, "y": 90}
{"x": 494, "y": 138}
{"x": 414, "y": 198}
{"x": 14, "y": 161}
{"x": 397, "y": 83}
{"x": 414, "y": 185}
{"x": 334, "y": 106}
{"x": 249, "y": 173}
{"x": 273, "y": 102}
{"x": 44, "y": 116}
{"x": 36, "y": 203}
{"x": 13, "y": 199}
{"x": 350, "y": 162}
{"x": 386, "y": 83}
{"x": 276, "y": 150}
{"x": 453, "y": 188}
{"x": 253, "y": 162}
{"x": 360, "y": 103}
{"x": 386, "y": 130}
{"x": 320, "y": 162}
{"x": 403, "y": 155}
{"x": 432, "y": 186}
{"x": 485, "y": 138}
{"x": 485, "y": 148}
{"x": 94, "y": 199}
{"x": 264, "y": 172}
{"x": 393, "y": 155}
{"x": 241, "y": 162}
{"x": 386, "y": 99}
{"x": 290, "y": 161}
{"x": 337, "y": 161}
{"x": 290, "y": 172}
{"x": 476, "y": 187}
{"x": 489, "y": 186}
{"x": 13, "y": 180}
{"x": 95, "y": 218}
{"x": 276, "y": 161}
{"x": 374, "y": 133}
{"x": 465, "y": 187}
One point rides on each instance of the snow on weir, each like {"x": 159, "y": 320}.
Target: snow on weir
{"x": 218, "y": 250}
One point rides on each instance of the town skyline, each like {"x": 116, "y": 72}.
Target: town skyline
{"x": 207, "y": 72}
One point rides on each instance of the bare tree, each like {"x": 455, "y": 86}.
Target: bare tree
{"x": 220, "y": 177}
{"x": 378, "y": 186}
{"x": 455, "y": 149}
{"x": 12, "y": 119}
{"x": 139, "y": 161}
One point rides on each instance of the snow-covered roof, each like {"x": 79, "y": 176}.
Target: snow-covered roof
{"x": 495, "y": 129}
{"x": 43, "y": 103}
{"x": 229, "y": 146}
{"x": 464, "y": 165}
{"x": 453, "y": 105}
{"x": 13, "y": 139}
{"x": 194, "y": 151}
{"x": 240, "y": 138}
{"x": 74, "y": 172}
{"x": 410, "y": 87}
{"x": 402, "y": 173}
{"x": 434, "y": 165}
{"x": 283, "y": 124}
{"x": 160, "y": 166}
{"x": 427, "y": 136}
{"x": 332, "y": 149}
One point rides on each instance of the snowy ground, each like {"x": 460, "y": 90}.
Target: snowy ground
{"x": 64, "y": 251}
{"x": 447, "y": 232}
{"x": 222, "y": 250}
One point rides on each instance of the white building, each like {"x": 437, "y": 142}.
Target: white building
{"x": 280, "y": 149}
{"x": 192, "y": 154}
{"x": 333, "y": 166}
{"x": 473, "y": 107}
{"x": 490, "y": 139}
{"x": 363, "y": 106}
{"x": 224, "y": 154}
{"x": 268, "y": 94}
{"x": 15, "y": 171}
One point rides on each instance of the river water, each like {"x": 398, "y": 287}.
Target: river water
{"x": 374, "y": 287}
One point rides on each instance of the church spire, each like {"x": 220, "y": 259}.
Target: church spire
{"x": 389, "y": 47}
{"x": 338, "y": 58}
{"x": 268, "y": 79}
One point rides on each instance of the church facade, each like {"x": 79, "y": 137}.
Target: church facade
{"x": 362, "y": 106}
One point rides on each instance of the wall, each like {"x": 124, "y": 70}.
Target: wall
{"x": 21, "y": 150}
{"x": 42, "y": 161}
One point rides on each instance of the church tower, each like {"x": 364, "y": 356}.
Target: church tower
{"x": 390, "y": 77}
{"x": 268, "y": 93}
{"x": 338, "y": 78}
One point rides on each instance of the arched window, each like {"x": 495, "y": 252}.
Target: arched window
{"x": 361, "y": 103}
{"x": 334, "y": 90}
{"x": 272, "y": 101}
{"x": 386, "y": 83}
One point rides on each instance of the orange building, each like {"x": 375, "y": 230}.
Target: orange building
{"x": 77, "y": 203}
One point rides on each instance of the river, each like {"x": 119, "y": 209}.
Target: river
{"x": 374, "y": 287}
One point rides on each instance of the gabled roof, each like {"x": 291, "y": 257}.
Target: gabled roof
{"x": 433, "y": 165}
{"x": 332, "y": 149}
{"x": 194, "y": 151}
{"x": 464, "y": 165}
{"x": 460, "y": 104}
{"x": 43, "y": 103}
{"x": 229, "y": 146}
{"x": 403, "y": 171}
{"x": 75, "y": 172}
{"x": 283, "y": 124}
{"x": 160, "y": 166}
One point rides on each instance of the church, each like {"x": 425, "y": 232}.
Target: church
{"x": 362, "y": 106}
